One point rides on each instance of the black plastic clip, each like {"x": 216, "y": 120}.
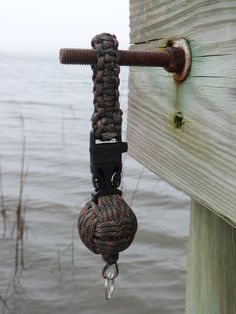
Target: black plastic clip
{"x": 106, "y": 166}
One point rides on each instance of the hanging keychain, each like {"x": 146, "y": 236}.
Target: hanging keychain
{"x": 107, "y": 225}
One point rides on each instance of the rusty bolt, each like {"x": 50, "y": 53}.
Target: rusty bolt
{"x": 172, "y": 59}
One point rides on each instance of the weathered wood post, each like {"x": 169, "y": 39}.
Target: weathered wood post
{"x": 186, "y": 133}
{"x": 211, "y": 264}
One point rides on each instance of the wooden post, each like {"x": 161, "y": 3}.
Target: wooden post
{"x": 211, "y": 284}
{"x": 197, "y": 153}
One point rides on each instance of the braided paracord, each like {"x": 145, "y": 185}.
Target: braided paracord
{"x": 107, "y": 116}
{"x": 107, "y": 226}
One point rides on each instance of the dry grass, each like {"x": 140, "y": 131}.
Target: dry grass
{"x": 2, "y": 203}
{"x": 20, "y": 217}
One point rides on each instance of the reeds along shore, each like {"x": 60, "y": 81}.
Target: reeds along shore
{"x": 20, "y": 216}
{"x": 14, "y": 226}
{"x": 15, "y": 223}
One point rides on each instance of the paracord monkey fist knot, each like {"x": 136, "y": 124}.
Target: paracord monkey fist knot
{"x": 108, "y": 227}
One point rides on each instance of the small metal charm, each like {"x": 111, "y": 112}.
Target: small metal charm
{"x": 110, "y": 272}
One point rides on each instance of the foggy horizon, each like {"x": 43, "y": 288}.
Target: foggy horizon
{"x": 42, "y": 28}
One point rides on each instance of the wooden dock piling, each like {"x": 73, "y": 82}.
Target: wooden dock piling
{"x": 211, "y": 264}
{"x": 186, "y": 133}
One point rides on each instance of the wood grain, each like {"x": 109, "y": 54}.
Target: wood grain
{"x": 211, "y": 280}
{"x": 201, "y": 20}
{"x": 200, "y": 157}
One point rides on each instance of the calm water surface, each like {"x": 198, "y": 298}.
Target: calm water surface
{"x": 48, "y": 106}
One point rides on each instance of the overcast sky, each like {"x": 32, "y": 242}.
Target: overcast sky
{"x": 44, "y": 26}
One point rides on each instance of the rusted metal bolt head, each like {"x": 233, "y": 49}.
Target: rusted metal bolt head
{"x": 184, "y": 45}
{"x": 177, "y": 59}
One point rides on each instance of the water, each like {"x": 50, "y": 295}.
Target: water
{"x": 48, "y": 106}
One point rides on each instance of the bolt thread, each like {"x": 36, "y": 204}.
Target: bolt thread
{"x": 77, "y": 56}
{"x": 128, "y": 58}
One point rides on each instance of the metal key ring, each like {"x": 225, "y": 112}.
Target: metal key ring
{"x": 110, "y": 271}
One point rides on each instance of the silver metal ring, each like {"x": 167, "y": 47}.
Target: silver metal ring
{"x": 110, "y": 271}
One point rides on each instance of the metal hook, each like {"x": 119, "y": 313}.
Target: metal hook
{"x": 109, "y": 288}
{"x": 110, "y": 272}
